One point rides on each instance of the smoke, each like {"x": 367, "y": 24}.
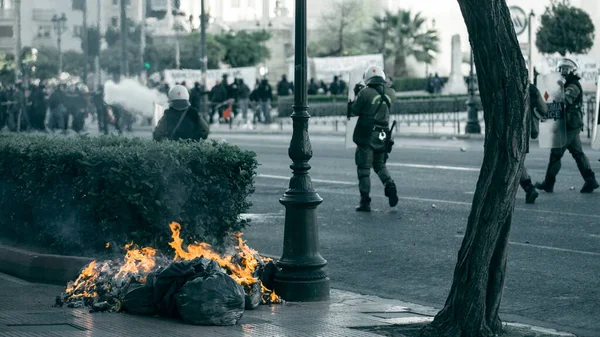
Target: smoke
{"x": 133, "y": 96}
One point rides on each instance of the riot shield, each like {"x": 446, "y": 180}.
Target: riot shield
{"x": 596, "y": 123}
{"x": 356, "y": 75}
{"x": 553, "y": 130}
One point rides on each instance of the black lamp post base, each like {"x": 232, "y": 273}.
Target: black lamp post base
{"x": 473, "y": 127}
{"x": 303, "y": 290}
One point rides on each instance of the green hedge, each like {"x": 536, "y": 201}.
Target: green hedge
{"x": 74, "y": 195}
{"x": 403, "y": 105}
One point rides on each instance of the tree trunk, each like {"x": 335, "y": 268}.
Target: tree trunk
{"x": 400, "y": 62}
{"x": 471, "y": 309}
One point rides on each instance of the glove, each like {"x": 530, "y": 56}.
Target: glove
{"x": 357, "y": 88}
{"x": 561, "y": 82}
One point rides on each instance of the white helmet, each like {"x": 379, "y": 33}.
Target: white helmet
{"x": 374, "y": 75}
{"x": 567, "y": 66}
{"x": 179, "y": 97}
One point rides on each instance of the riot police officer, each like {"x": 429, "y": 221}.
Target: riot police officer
{"x": 180, "y": 121}
{"x": 372, "y": 106}
{"x": 573, "y": 98}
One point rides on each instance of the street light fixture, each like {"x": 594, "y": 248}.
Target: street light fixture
{"x": 473, "y": 116}
{"x": 301, "y": 277}
{"x": 60, "y": 26}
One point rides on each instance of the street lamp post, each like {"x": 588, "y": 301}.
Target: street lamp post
{"x": 530, "y": 51}
{"x": 60, "y": 25}
{"x": 301, "y": 277}
{"x": 204, "y": 61}
{"x": 473, "y": 116}
{"x": 124, "y": 34}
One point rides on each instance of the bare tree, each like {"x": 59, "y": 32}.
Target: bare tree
{"x": 471, "y": 309}
{"x": 339, "y": 31}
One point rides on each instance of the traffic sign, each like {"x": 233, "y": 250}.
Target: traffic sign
{"x": 519, "y": 19}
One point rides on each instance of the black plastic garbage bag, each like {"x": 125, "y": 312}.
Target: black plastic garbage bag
{"x": 172, "y": 278}
{"x": 211, "y": 300}
{"x": 253, "y": 295}
{"x": 139, "y": 299}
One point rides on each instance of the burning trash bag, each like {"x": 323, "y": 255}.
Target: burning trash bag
{"x": 139, "y": 298}
{"x": 168, "y": 281}
{"x": 214, "y": 299}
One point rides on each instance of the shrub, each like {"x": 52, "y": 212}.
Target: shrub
{"x": 403, "y": 105}
{"x": 74, "y": 195}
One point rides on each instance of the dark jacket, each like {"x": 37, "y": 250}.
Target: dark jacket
{"x": 192, "y": 127}
{"x": 56, "y": 99}
{"x": 283, "y": 88}
{"x": 244, "y": 91}
{"x": 539, "y": 111}
{"x": 574, "y": 102}
{"x": 264, "y": 92}
{"x": 373, "y": 117}
{"x": 196, "y": 95}
{"x": 219, "y": 93}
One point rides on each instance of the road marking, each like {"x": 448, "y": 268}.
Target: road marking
{"x": 347, "y": 183}
{"x": 546, "y": 247}
{"x": 436, "y": 167}
{"x": 336, "y": 182}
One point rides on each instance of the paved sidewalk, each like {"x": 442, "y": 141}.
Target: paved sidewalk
{"x": 26, "y": 310}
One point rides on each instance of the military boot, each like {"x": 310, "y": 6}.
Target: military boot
{"x": 365, "y": 203}
{"x": 391, "y": 193}
{"x": 530, "y": 193}
{"x": 546, "y": 185}
{"x": 590, "y": 183}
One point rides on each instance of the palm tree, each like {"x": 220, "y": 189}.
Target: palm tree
{"x": 402, "y": 34}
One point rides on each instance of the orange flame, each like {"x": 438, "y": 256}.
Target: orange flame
{"x": 139, "y": 262}
{"x": 242, "y": 272}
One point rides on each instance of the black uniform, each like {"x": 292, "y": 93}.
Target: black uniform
{"x": 173, "y": 127}
{"x": 372, "y": 106}
{"x": 574, "y": 115}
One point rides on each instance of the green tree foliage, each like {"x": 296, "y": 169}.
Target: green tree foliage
{"x": 401, "y": 35}
{"x": 339, "y": 33}
{"x": 46, "y": 65}
{"x": 565, "y": 29}
{"x": 243, "y": 49}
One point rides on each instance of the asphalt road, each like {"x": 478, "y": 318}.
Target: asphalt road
{"x": 409, "y": 252}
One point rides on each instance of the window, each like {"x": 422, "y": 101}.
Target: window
{"x": 235, "y": 3}
{"x": 77, "y": 30}
{"x": 5, "y": 4}
{"x": 78, "y": 5}
{"x": 118, "y": 2}
{"x": 6, "y": 31}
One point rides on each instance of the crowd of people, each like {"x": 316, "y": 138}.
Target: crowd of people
{"x": 228, "y": 100}
{"x": 54, "y": 106}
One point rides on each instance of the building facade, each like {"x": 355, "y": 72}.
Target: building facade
{"x": 37, "y": 28}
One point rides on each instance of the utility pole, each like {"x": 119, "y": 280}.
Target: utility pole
{"x": 124, "y": 35}
{"x": 143, "y": 74}
{"x": 84, "y": 40}
{"x": 18, "y": 41}
{"x": 97, "y": 58}
{"x": 204, "y": 61}
{"x": 530, "y": 56}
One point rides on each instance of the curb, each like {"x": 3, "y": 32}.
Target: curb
{"x": 342, "y": 134}
{"x": 45, "y": 268}
{"x": 400, "y": 135}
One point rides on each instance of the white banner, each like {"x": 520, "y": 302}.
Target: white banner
{"x": 325, "y": 68}
{"x": 248, "y": 74}
{"x": 588, "y": 70}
